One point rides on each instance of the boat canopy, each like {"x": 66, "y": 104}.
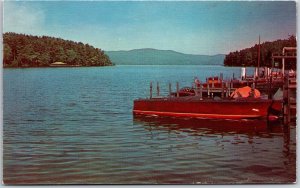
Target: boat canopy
{"x": 245, "y": 92}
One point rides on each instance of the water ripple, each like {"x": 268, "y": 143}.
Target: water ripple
{"x": 81, "y": 131}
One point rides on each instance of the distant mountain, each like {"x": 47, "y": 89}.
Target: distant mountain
{"x": 149, "y": 56}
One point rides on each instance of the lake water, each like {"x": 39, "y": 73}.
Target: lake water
{"x": 75, "y": 126}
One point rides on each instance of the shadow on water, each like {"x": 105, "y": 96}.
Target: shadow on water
{"x": 210, "y": 126}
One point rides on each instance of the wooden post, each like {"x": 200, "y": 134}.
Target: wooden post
{"x": 283, "y": 66}
{"x": 285, "y": 109}
{"x": 222, "y": 94}
{"x": 150, "y": 90}
{"x": 208, "y": 93}
{"x": 284, "y": 101}
{"x": 177, "y": 89}
{"x": 227, "y": 92}
{"x": 200, "y": 91}
{"x": 254, "y": 83}
{"x": 270, "y": 87}
{"x": 157, "y": 88}
{"x": 213, "y": 82}
{"x": 170, "y": 89}
{"x": 230, "y": 87}
{"x": 288, "y": 101}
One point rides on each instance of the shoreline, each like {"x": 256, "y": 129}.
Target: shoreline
{"x": 54, "y": 67}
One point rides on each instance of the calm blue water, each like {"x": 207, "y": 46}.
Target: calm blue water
{"x": 75, "y": 125}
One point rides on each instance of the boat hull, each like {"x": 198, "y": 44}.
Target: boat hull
{"x": 208, "y": 108}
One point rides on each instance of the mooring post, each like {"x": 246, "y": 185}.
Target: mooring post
{"x": 177, "y": 89}
{"x": 222, "y": 94}
{"x": 284, "y": 101}
{"x": 268, "y": 88}
{"x": 157, "y": 88}
{"x": 230, "y": 87}
{"x": 226, "y": 85}
{"x": 200, "y": 92}
{"x": 288, "y": 101}
{"x": 213, "y": 82}
{"x": 170, "y": 89}
{"x": 269, "y": 79}
{"x": 150, "y": 90}
{"x": 208, "y": 93}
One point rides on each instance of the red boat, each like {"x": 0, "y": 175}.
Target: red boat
{"x": 194, "y": 107}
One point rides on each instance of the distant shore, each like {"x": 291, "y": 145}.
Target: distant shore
{"x": 65, "y": 66}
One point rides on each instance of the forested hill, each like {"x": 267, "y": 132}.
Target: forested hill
{"x": 148, "y": 56}
{"x": 21, "y": 50}
{"x": 249, "y": 56}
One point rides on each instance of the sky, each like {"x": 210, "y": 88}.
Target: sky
{"x": 192, "y": 27}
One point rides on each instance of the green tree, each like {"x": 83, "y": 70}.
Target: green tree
{"x": 71, "y": 55}
{"x": 7, "y": 55}
{"x": 21, "y": 50}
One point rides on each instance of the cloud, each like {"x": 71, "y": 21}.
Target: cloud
{"x": 21, "y": 18}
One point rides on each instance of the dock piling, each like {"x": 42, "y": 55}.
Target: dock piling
{"x": 289, "y": 97}
{"x": 269, "y": 79}
{"x": 227, "y": 92}
{"x": 230, "y": 87}
{"x": 208, "y": 93}
{"x": 157, "y": 88}
{"x": 222, "y": 92}
{"x": 150, "y": 90}
{"x": 177, "y": 89}
{"x": 254, "y": 83}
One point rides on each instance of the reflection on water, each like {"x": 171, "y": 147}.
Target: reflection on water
{"x": 228, "y": 134}
{"x": 209, "y": 126}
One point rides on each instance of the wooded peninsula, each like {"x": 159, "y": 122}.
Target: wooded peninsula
{"x": 249, "y": 56}
{"x": 20, "y": 50}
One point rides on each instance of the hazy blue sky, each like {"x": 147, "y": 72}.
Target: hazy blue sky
{"x": 188, "y": 27}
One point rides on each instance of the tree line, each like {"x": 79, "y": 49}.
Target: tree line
{"x": 20, "y": 50}
{"x": 249, "y": 56}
